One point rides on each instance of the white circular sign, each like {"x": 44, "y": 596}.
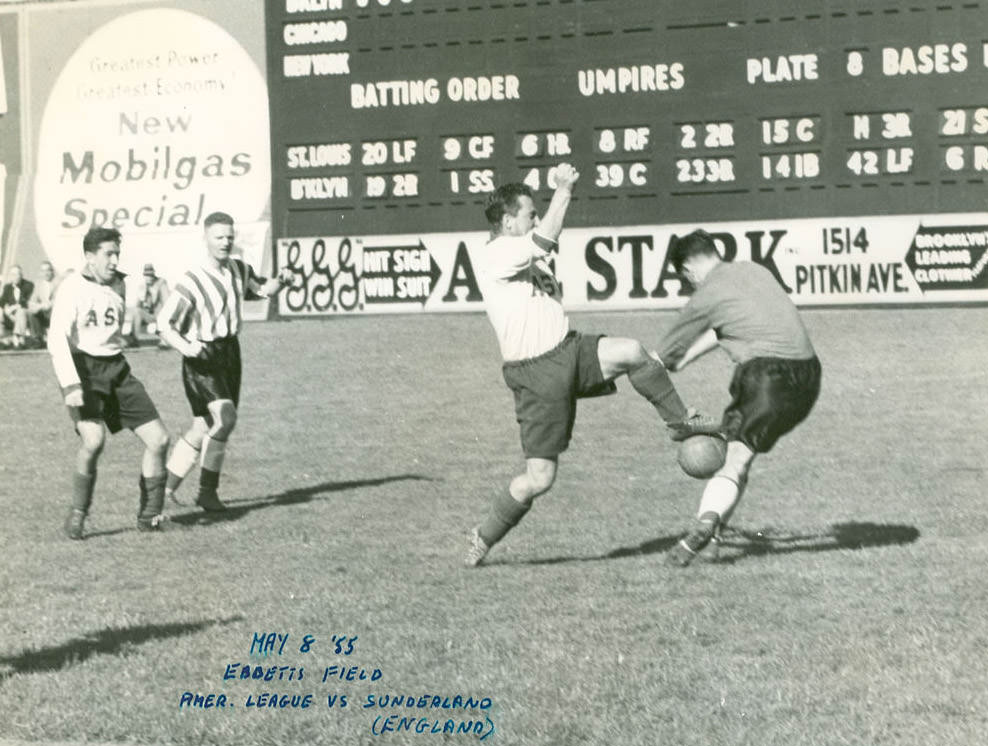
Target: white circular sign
{"x": 159, "y": 118}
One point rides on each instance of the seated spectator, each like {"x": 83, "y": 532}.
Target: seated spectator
{"x": 39, "y": 305}
{"x": 148, "y": 300}
{"x": 13, "y": 305}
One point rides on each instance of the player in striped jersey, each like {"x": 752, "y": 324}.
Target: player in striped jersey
{"x": 84, "y": 340}
{"x": 201, "y": 319}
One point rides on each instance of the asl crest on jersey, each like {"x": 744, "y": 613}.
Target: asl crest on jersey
{"x": 109, "y": 317}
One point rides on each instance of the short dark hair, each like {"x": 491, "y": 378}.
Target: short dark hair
{"x": 503, "y": 201}
{"x": 95, "y": 236}
{"x": 697, "y": 243}
{"x": 217, "y": 217}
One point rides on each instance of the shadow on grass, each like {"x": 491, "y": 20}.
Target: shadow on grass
{"x": 736, "y": 543}
{"x": 740, "y": 543}
{"x": 105, "y": 642}
{"x": 236, "y": 509}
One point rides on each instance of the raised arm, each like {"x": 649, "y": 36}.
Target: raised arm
{"x": 551, "y": 224}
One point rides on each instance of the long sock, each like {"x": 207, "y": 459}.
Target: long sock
{"x": 651, "y": 380}
{"x": 213, "y": 451}
{"x": 152, "y": 495}
{"x": 505, "y": 514}
{"x": 183, "y": 457}
{"x": 82, "y": 490}
{"x": 720, "y": 497}
{"x": 209, "y": 481}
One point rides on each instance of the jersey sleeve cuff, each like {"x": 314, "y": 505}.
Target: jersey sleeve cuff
{"x": 72, "y": 387}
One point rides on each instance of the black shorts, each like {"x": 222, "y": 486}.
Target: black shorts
{"x": 546, "y": 389}
{"x": 111, "y": 394}
{"x": 212, "y": 375}
{"x": 770, "y": 396}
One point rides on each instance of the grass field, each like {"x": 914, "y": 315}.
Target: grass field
{"x": 848, "y": 607}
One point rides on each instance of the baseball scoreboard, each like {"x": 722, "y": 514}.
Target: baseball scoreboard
{"x": 398, "y": 116}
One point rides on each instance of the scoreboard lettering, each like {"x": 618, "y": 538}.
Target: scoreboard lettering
{"x": 399, "y": 116}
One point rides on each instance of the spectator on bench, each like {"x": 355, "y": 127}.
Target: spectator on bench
{"x": 13, "y": 305}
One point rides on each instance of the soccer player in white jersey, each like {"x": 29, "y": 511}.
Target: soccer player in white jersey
{"x": 84, "y": 340}
{"x": 201, "y": 319}
{"x": 546, "y": 365}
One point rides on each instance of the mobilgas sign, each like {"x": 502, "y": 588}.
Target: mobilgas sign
{"x": 157, "y": 119}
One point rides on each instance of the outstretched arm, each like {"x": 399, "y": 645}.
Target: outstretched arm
{"x": 703, "y": 344}
{"x": 551, "y": 224}
{"x": 262, "y": 287}
{"x": 273, "y": 286}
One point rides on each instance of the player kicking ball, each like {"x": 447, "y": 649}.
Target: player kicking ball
{"x": 85, "y": 343}
{"x": 201, "y": 319}
{"x": 548, "y": 366}
{"x": 741, "y": 307}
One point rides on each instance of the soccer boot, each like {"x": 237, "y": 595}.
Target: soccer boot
{"x": 209, "y": 501}
{"x": 695, "y": 424}
{"x": 687, "y": 549}
{"x": 711, "y": 552}
{"x": 478, "y": 549}
{"x": 150, "y": 522}
{"x": 74, "y": 523}
{"x": 150, "y": 504}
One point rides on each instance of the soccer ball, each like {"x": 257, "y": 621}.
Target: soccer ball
{"x": 701, "y": 456}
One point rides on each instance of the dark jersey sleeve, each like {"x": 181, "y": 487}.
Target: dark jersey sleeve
{"x": 690, "y": 324}
{"x": 252, "y": 283}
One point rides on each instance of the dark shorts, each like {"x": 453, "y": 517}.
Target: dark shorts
{"x": 546, "y": 389}
{"x": 770, "y": 396}
{"x": 212, "y": 375}
{"x": 111, "y": 394}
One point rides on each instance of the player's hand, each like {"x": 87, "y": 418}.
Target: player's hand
{"x": 193, "y": 348}
{"x": 74, "y": 398}
{"x": 286, "y": 277}
{"x": 566, "y": 176}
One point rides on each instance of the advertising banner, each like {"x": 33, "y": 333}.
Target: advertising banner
{"x": 820, "y": 262}
{"x": 784, "y": 136}
{"x": 142, "y": 118}
{"x": 167, "y": 137}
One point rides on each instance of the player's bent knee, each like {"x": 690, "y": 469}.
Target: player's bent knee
{"x": 160, "y": 443}
{"x": 224, "y": 418}
{"x": 92, "y": 442}
{"x": 621, "y": 355}
{"x": 541, "y": 476}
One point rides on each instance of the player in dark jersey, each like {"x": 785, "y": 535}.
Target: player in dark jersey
{"x": 741, "y": 307}
{"x": 201, "y": 319}
{"x": 85, "y": 342}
